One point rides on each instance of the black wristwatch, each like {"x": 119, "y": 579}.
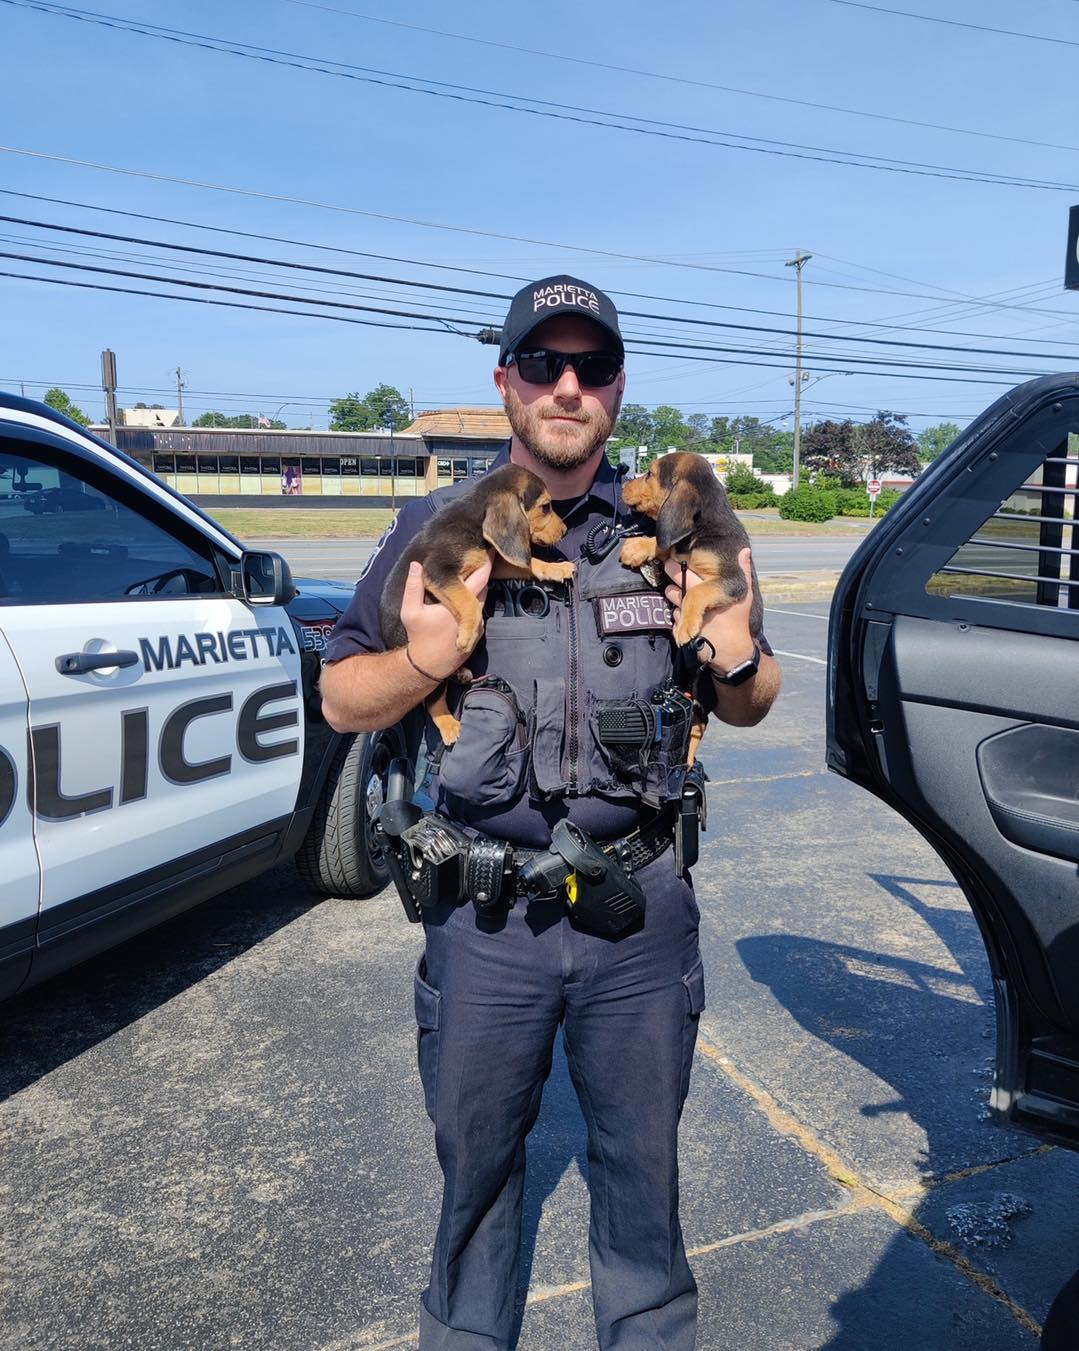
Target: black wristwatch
{"x": 745, "y": 670}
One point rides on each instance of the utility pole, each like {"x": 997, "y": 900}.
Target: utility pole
{"x": 180, "y": 395}
{"x": 108, "y": 384}
{"x": 411, "y": 404}
{"x": 798, "y": 262}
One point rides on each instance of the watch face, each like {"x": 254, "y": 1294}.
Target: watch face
{"x": 741, "y": 674}
{"x": 738, "y": 675}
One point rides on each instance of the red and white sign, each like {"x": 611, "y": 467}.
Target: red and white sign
{"x": 873, "y": 487}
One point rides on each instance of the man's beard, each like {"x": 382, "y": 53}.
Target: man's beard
{"x": 553, "y": 443}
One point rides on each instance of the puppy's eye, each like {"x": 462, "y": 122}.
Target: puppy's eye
{"x": 546, "y": 508}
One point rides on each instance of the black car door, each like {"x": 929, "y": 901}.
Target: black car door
{"x": 953, "y": 695}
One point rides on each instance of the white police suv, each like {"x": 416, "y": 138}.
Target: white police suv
{"x": 160, "y": 732}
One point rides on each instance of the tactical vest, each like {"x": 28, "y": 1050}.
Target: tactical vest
{"x": 571, "y": 693}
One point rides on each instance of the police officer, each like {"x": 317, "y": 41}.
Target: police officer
{"x": 495, "y": 983}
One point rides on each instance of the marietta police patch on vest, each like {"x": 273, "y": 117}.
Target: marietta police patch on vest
{"x": 564, "y": 293}
{"x": 638, "y": 612}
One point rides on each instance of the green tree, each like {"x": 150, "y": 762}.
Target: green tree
{"x": 635, "y": 426}
{"x": 719, "y": 434}
{"x": 777, "y": 458}
{"x": 699, "y": 431}
{"x": 741, "y": 479}
{"x": 59, "y": 402}
{"x": 933, "y": 440}
{"x": 382, "y": 406}
{"x": 239, "y": 421}
{"x": 670, "y": 429}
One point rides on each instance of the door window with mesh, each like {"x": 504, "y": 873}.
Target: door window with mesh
{"x": 1027, "y": 551}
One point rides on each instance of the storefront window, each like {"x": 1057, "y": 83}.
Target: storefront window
{"x": 229, "y": 464}
{"x": 271, "y": 464}
{"x": 369, "y": 466}
{"x": 207, "y": 464}
{"x": 249, "y": 464}
{"x": 310, "y": 466}
{"x": 164, "y": 464}
{"x": 185, "y": 464}
{"x": 350, "y": 466}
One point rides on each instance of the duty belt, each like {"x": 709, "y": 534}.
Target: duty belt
{"x": 639, "y": 848}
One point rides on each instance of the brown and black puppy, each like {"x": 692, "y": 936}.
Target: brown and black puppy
{"x": 500, "y": 517}
{"x": 695, "y": 525}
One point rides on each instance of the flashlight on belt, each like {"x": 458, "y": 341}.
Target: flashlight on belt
{"x": 602, "y": 896}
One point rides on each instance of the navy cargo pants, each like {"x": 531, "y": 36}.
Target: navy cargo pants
{"x": 490, "y": 996}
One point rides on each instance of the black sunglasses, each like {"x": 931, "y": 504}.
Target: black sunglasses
{"x": 544, "y": 367}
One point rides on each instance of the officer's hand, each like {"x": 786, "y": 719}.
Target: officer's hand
{"x": 726, "y": 629}
{"x": 432, "y": 628}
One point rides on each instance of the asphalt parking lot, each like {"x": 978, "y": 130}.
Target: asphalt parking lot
{"x": 214, "y": 1137}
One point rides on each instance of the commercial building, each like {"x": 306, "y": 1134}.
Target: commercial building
{"x": 226, "y": 467}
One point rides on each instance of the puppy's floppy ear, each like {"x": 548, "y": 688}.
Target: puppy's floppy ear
{"x": 679, "y": 515}
{"x": 505, "y": 526}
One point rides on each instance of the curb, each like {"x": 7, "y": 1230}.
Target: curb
{"x": 799, "y": 586}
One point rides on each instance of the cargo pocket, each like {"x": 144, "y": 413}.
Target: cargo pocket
{"x": 693, "y": 981}
{"x": 428, "y": 1019}
{"x": 488, "y": 763}
{"x": 549, "y": 715}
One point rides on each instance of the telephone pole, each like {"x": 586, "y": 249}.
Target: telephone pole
{"x": 108, "y": 384}
{"x": 180, "y": 395}
{"x": 798, "y": 262}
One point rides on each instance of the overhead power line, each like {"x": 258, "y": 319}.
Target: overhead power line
{"x": 227, "y": 304}
{"x": 671, "y": 348}
{"x": 501, "y": 296}
{"x": 636, "y": 295}
{"x": 674, "y": 79}
{"x": 564, "y": 112}
{"x": 956, "y": 23}
{"x": 458, "y": 229}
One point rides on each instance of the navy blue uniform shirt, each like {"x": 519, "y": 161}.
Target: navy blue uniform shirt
{"x": 524, "y": 822}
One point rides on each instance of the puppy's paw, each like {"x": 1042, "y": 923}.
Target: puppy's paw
{"x": 468, "y": 635}
{"x": 552, "y": 572}
{"x": 449, "y": 727}
{"x": 637, "y": 551}
{"x": 684, "y": 630}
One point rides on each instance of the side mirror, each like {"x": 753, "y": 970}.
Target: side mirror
{"x": 265, "y": 579}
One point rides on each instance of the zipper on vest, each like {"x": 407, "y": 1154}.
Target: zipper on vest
{"x": 573, "y": 692}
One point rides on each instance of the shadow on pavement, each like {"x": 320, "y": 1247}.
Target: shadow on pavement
{"x": 907, "y": 1021}
{"x": 63, "y": 1017}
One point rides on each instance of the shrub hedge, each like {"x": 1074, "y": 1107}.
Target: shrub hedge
{"x": 806, "y": 503}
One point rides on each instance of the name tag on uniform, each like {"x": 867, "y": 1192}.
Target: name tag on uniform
{"x": 638, "y": 612}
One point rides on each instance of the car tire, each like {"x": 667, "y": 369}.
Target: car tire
{"x": 340, "y": 854}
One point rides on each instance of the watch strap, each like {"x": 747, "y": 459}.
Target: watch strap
{"x": 745, "y": 670}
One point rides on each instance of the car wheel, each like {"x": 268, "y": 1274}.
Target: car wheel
{"x": 340, "y": 854}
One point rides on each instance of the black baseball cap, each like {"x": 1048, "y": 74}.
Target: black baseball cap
{"x": 539, "y": 301}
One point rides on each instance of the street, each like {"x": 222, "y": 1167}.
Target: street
{"x": 214, "y": 1136}
{"x": 342, "y": 560}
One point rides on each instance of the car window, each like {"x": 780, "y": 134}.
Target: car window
{"x": 65, "y": 540}
{"x": 1027, "y": 550}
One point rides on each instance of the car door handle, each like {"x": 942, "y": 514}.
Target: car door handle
{"x": 78, "y": 663}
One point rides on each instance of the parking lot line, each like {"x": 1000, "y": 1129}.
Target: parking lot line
{"x": 798, "y": 614}
{"x": 801, "y": 656}
{"x": 865, "y": 1196}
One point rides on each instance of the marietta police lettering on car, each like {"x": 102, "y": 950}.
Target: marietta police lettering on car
{"x": 49, "y": 802}
{"x": 550, "y": 297}
{"x": 237, "y": 645}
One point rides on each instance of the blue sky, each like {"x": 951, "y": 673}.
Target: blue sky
{"x": 684, "y": 211}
